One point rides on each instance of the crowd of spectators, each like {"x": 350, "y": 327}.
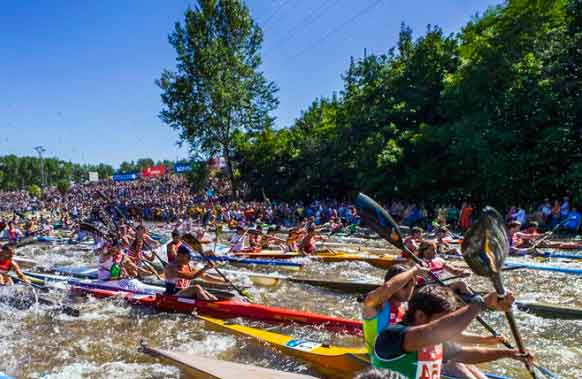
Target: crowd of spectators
{"x": 170, "y": 198}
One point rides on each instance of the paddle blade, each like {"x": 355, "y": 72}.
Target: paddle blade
{"x": 485, "y": 245}
{"x": 90, "y": 228}
{"x": 379, "y": 220}
{"x": 192, "y": 241}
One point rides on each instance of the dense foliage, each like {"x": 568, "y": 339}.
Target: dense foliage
{"x": 491, "y": 114}
{"x": 21, "y": 172}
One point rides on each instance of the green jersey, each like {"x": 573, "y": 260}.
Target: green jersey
{"x": 388, "y": 355}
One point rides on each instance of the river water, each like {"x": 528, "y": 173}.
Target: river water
{"x": 103, "y": 341}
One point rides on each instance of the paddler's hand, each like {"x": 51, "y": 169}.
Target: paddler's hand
{"x": 499, "y": 303}
{"x": 423, "y": 271}
{"x": 466, "y": 274}
{"x": 500, "y": 340}
{"x": 526, "y": 357}
{"x": 26, "y": 280}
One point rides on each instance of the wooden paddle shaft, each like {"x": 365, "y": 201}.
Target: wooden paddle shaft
{"x": 499, "y": 288}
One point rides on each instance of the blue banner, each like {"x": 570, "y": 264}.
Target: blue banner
{"x": 125, "y": 177}
{"x": 182, "y": 167}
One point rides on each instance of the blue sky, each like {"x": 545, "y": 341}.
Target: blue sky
{"x": 78, "y": 76}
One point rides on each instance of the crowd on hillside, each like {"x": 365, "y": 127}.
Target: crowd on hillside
{"x": 170, "y": 198}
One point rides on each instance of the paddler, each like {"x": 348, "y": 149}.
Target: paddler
{"x": 412, "y": 242}
{"x": 172, "y": 247}
{"x": 307, "y": 246}
{"x": 416, "y": 347}
{"x": 110, "y": 264}
{"x": 387, "y": 304}
{"x": 137, "y": 250}
{"x": 13, "y": 233}
{"x": 179, "y": 274}
{"x": 515, "y": 240}
{"x": 7, "y": 264}
{"x": 427, "y": 251}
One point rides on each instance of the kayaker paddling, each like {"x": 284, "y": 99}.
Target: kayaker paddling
{"x": 416, "y": 347}
{"x": 173, "y": 245}
{"x": 308, "y": 243}
{"x": 427, "y": 251}
{"x": 7, "y": 264}
{"x": 387, "y": 304}
{"x": 179, "y": 274}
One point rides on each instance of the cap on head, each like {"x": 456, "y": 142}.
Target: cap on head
{"x": 184, "y": 251}
{"x": 393, "y": 271}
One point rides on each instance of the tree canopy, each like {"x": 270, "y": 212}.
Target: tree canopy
{"x": 489, "y": 114}
{"x": 216, "y": 89}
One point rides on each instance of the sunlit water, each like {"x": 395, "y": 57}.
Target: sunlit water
{"x": 103, "y": 341}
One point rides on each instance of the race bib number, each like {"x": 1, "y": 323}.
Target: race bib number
{"x": 430, "y": 362}
{"x": 303, "y": 345}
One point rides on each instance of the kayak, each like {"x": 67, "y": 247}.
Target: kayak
{"x": 383, "y": 262}
{"x": 561, "y": 245}
{"x": 563, "y": 270}
{"x": 197, "y": 367}
{"x": 292, "y": 266}
{"x": 223, "y": 308}
{"x": 91, "y": 273}
{"x": 136, "y": 286}
{"x": 271, "y": 280}
{"x": 549, "y": 310}
{"x": 331, "y": 361}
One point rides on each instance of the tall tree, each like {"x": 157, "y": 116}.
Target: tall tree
{"x": 217, "y": 88}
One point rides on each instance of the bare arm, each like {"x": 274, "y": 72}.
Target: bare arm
{"x": 440, "y": 330}
{"x": 452, "y": 324}
{"x": 469, "y": 338}
{"x": 19, "y": 273}
{"x": 474, "y": 355}
{"x": 381, "y": 294}
{"x": 453, "y": 270}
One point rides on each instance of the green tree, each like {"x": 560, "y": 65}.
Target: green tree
{"x": 216, "y": 88}
{"x": 34, "y": 191}
{"x": 63, "y": 186}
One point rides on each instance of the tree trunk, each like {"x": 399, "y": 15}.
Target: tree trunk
{"x": 230, "y": 172}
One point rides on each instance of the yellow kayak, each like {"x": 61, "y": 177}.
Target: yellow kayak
{"x": 384, "y": 262}
{"x": 331, "y": 361}
{"x": 197, "y": 367}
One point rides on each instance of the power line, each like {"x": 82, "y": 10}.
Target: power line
{"x": 337, "y": 28}
{"x": 315, "y": 15}
{"x": 282, "y": 4}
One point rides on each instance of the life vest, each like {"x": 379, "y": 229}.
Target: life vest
{"x": 388, "y": 315}
{"x": 5, "y": 265}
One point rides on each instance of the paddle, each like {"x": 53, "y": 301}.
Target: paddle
{"x": 197, "y": 246}
{"x": 533, "y": 248}
{"x": 485, "y": 246}
{"x": 70, "y": 311}
{"x": 122, "y": 216}
{"x": 379, "y": 220}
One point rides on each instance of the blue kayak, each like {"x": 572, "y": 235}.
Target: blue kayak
{"x": 563, "y": 270}
{"x": 253, "y": 261}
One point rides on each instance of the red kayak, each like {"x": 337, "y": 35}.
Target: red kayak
{"x": 227, "y": 309}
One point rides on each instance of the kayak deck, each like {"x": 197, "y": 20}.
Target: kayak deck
{"x": 226, "y": 309}
{"x": 331, "y": 361}
{"x": 197, "y": 367}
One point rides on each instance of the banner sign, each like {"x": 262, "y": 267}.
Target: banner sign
{"x": 154, "y": 171}
{"x": 93, "y": 176}
{"x": 125, "y": 177}
{"x": 182, "y": 167}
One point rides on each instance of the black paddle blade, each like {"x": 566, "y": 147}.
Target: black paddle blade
{"x": 90, "y": 228}
{"x": 379, "y": 220}
{"x": 192, "y": 241}
{"x": 485, "y": 245}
